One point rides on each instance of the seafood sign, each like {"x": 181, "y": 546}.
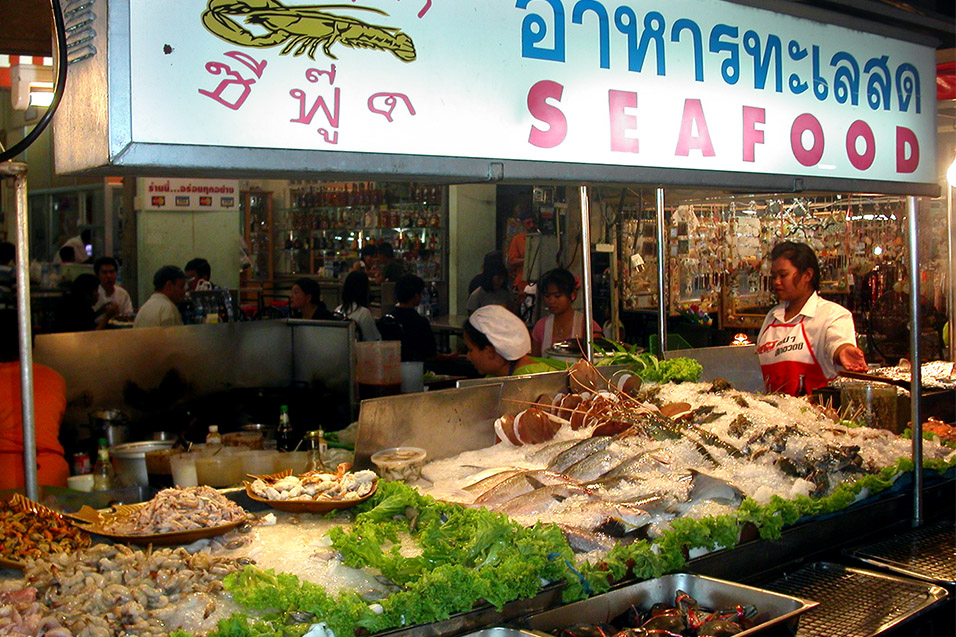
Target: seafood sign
{"x": 301, "y": 29}
{"x": 687, "y": 84}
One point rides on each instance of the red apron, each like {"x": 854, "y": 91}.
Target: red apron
{"x": 787, "y": 360}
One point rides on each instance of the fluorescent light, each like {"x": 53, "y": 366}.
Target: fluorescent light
{"x": 29, "y": 80}
{"x": 951, "y": 174}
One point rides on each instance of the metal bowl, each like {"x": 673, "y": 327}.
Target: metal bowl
{"x": 111, "y": 424}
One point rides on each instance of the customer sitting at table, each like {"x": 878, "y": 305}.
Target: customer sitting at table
{"x": 305, "y": 301}
{"x": 418, "y": 342}
{"x": 109, "y": 292}
{"x": 74, "y": 313}
{"x": 493, "y": 290}
{"x": 169, "y": 285}
{"x": 355, "y": 302}
{"x": 49, "y": 405}
{"x": 499, "y": 344}
{"x": 198, "y": 272}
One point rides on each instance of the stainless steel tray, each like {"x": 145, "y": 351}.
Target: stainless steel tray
{"x": 856, "y": 602}
{"x": 927, "y": 553}
{"x": 500, "y": 631}
{"x": 773, "y": 609}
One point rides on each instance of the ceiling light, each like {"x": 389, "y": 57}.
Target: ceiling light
{"x": 31, "y": 85}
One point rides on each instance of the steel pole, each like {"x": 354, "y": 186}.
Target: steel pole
{"x": 951, "y": 273}
{"x": 19, "y": 173}
{"x": 661, "y": 269}
{"x": 586, "y": 271}
{"x": 916, "y": 384}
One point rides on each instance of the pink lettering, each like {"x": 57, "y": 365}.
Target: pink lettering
{"x": 621, "y": 122}
{"x": 687, "y": 141}
{"x": 806, "y": 122}
{"x": 391, "y": 101}
{"x": 313, "y": 75}
{"x": 217, "y": 68}
{"x": 859, "y": 129}
{"x": 544, "y": 112}
{"x": 244, "y": 58}
{"x": 306, "y": 118}
{"x": 906, "y": 138}
{"x": 752, "y": 136}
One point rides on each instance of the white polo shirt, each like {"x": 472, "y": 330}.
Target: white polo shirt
{"x": 120, "y": 297}
{"x": 828, "y": 325}
{"x": 158, "y": 311}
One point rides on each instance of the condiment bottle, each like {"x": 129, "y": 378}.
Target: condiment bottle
{"x": 103, "y": 474}
{"x": 317, "y": 448}
{"x": 284, "y": 431}
{"x": 213, "y": 439}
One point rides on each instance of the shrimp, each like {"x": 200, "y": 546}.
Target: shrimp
{"x": 302, "y": 29}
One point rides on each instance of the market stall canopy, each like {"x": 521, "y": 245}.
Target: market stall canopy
{"x": 704, "y": 92}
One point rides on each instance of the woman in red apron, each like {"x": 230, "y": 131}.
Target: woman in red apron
{"x": 805, "y": 338}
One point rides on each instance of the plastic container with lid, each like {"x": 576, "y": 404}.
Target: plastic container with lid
{"x": 399, "y": 463}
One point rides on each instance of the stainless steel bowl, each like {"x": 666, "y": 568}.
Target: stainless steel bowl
{"x": 111, "y": 424}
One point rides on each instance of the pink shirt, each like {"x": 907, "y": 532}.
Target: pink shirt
{"x": 543, "y": 332}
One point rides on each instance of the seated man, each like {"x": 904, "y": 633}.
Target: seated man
{"x": 49, "y": 403}
{"x": 198, "y": 272}
{"x": 160, "y": 309}
{"x": 418, "y": 342}
{"x": 112, "y": 299}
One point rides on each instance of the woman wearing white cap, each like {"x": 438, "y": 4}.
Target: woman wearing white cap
{"x": 499, "y": 343}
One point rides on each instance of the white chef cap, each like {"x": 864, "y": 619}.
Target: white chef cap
{"x": 507, "y": 332}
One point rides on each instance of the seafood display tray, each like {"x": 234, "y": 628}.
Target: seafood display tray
{"x": 774, "y": 610}
{"x": 925, "y": 553}
{"x": 855, "y": 602}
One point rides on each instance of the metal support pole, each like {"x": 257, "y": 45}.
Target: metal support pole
{"x": 916, "y": 383}
{"x": 586, "y": 271}
{"x": 951, "y": 273}
{"x": 19, "y": 172}
{"x": 661, "y": 269}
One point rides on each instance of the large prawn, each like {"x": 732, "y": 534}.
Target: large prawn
{"x": 303, "y": 28}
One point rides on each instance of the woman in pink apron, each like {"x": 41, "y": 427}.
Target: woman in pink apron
{"x": 805, "y": 338}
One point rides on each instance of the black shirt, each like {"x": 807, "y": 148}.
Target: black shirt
{"x": 418, "y": 343}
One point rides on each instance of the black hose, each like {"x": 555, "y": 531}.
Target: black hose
{"x": 58, "y": 87}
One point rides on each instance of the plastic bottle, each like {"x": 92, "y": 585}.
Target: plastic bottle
{"x": 103, "y": 474}
{"x": 284, "y": 431}
{"x": 425, "y": 307}
{"x": 213, "y": 439}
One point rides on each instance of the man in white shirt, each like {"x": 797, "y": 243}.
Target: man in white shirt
{"x": 113, "y": 300}
{"x": 78, "y": 245}
{"x": 160, "y": 309}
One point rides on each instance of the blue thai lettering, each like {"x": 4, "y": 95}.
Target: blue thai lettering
{"x": 577, "y": 17}
{"x": 534, "y": 29}
{"x": 762, "y": 64}
{"x": 907, "y": 85}
{"x": 730, "y": 67}
{"x": 796, "y": 53}
{"x": 689, "y": 25}
{"x": 878, "y": 83}
{"x": 653, "y": 30}
{"x": 820, "y": 86}
{"x": 846, "y": 78}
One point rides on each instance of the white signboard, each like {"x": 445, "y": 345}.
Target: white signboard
{"x": 698, "y": 84}
{"x": 161, "y": 193}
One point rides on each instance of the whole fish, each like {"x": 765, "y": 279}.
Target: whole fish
{"x": 551, "y": 450}
{"x": 708, "y": 487}
{"x": 483, "y": 481}
{"x": 519, "y": 484}
{"x": 595, "y": 465}
{"x": 541, "y": 500}
{"x": 641, "y": 462}
{"x": 579, "y": 452}
{"x": 593, "y": 514}
{"x": 585, "y": 541}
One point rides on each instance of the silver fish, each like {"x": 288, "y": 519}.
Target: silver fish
{"x": 639, "y": 463}
{"x": 592, "y": 514}
{"x": 708, "y": 487}
{"x": 483, "y": 482}
{"x": 519, "y": 484}
{"x": 595, "y": 465}
{"x": 551, "y": 450}
{"x": 585, "y": 541}
{"x": 541, "y": 500}
{"x": 579, "y": 452}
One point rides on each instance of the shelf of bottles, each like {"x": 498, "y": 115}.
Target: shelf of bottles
{"x": 325, "y": 227}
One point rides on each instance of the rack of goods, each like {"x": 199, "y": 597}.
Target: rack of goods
{"x": 325, "y": 226}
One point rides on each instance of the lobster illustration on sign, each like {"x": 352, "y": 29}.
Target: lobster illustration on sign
{"x": 303, "y": 28}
